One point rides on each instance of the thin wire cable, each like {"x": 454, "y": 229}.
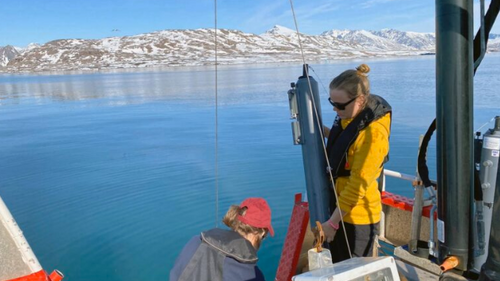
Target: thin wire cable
{"x": 320, "y": 126}
{"x": 485, "y": 124}
{"x": 319, "y": 80}
{"x": 216, "y": 125}
{"x": 300, "y": 41}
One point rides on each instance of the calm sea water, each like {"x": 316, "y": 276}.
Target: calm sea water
{"x": 109, "y": 174}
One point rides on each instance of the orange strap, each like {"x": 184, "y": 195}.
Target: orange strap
{"x": 321, "y": 238}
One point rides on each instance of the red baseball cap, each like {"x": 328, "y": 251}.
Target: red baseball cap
{"x": 258, "y": 214}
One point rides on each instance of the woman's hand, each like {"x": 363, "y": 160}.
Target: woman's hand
{"x": 326, "y": 131}
{"x": 324, "y": 232}
{"x": 329, "y": 231}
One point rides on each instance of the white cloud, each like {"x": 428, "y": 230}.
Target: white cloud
{"x": 280, "y": 13}
{"x": 307, "y": 12}
{"x": 266, "y": 17}
{"x": 371, "y": 3}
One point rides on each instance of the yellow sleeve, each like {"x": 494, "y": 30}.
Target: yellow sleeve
{"x": 368, "y": 153}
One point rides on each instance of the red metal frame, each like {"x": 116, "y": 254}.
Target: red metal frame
{"x": 40, "y": 276}
{"x": 403, "y": 203}
{"x": 294, "y": 239}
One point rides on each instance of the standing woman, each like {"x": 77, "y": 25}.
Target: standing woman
{"x": 358, "y": 145}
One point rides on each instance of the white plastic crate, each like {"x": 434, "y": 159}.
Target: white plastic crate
{"x": 355, "y": 269}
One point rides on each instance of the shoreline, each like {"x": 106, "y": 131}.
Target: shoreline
{"x": 201, "y": 65}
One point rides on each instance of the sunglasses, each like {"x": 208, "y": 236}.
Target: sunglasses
{"x": 341, "y": 106}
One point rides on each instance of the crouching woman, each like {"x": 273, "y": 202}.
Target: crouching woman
{"x": 219, "y": 254}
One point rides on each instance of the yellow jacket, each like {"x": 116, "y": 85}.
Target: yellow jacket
{"x": 358, "y": 193}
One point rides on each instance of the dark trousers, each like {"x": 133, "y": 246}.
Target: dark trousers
{"x": 361, "y": 238}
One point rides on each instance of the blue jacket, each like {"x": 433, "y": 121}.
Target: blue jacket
{"x": 217, "y": 254}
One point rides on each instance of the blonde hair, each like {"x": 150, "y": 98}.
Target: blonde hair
{"x": 354, "y": 82}
{"x": 231, "y": 220}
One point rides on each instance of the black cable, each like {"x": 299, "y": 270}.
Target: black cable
{"x": 423, "y": 171}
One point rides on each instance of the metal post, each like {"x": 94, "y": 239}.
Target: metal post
{"x": 308, "y": 134}
{"x": 416, "y": 218}
{"x": 454, "y": 87}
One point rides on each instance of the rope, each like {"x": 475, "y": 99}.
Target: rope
{"x": 320, "y": 126}
{"x": 216, "y": 126}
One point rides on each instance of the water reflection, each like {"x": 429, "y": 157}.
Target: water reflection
{"x": 132, "y": 87}
{"x": 236, "y": 84}
{"x": 136, "y": 86}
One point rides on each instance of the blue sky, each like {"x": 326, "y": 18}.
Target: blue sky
{"x": 39, "y": 21}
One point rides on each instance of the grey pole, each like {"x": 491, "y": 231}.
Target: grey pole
{"x": 454, "y": 87}
{"x": 307, "y": 133}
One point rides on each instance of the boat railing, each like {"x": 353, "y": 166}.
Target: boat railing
{"x": 398, "y": 175}
{"x": 418, "y": 203}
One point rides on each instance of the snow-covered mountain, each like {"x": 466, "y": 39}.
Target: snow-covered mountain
{"x": 197, "y": 47}
{"x": 419, "y": 41}
{"x": 386, "y": 39}
{"x": 7, "y": 53}
{"x": 494, "y": 43}
{"x": 366, "y": 39}
{"x": 27, "y": 48}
